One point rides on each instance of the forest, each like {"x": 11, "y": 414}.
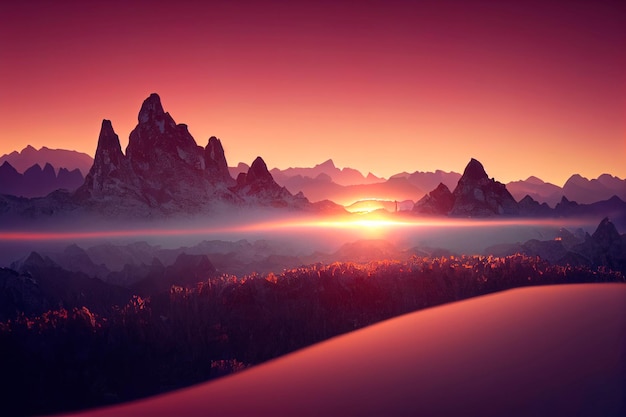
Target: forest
{"x": 70, "y": 359}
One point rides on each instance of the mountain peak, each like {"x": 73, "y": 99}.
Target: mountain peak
{"x": 215, "y": 161}
{"x": 329, "y": 164}
{"x": 534, "y": 180}
{"x": 108, "y": 139}
{"x": 151, "y": 108}
{"x": 474, "y": 170}
{"x": 477, "y": 195}
{"x": 258, "y": 171}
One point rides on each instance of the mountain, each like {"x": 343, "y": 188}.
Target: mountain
{"x": 576, "y": 188}
{"x": 604, "y": 248}
{"x": 37, "y": 182}
{"x": 326, "y": 182}
{"x": 529, "y": 207}
{"x": 540, "y": 191}
{"x": 322, "y": 187}
{"x": 165, "y": 171}
{"x": 345, "y": 176}
{"x": 30, "y": 156}
{"x": 438, "y": 201}
{"x": 430, "y": 180}
{"x": 478, "y": 196}
{"x": 37, "y": 284}
{"x": 258, "y": 185}
{"x": 587, "y": 191}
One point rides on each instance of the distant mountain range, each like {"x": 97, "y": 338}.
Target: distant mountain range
{"x": 58, "y": 158}
{"x": 324, "y": 181}
{"x": 37, "y": 182}
{"x": 164, "y": 171}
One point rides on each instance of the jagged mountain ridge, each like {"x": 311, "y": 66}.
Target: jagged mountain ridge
{"x": 475, "y": 195}
{"x": 164, "y": 169}
{"x": 37, "y": 182}
{"x": 58, "y": 158}
{"x": 324, "y": 181}
{"x": 478, "y": 196}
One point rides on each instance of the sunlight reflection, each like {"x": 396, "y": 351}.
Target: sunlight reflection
{"x": 368, "y": 223}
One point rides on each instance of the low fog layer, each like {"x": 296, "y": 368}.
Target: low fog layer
{"x": 290, "y": 234}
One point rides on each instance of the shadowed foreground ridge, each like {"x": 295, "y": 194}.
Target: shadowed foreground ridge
{"x": 73, "y": 358}
{"x": 414, "y": 360}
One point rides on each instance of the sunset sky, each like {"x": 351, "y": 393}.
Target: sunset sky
{"x": 526, "y": 87}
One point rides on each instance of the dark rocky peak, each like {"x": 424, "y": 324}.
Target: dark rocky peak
{"x": 258, "y": 172}
{"x": 157, "y": 145}
{"x": 241, "y": 179}
{"x": 565, "y": 207}
{"x": 605, "y": 247}
{"x": 477, "y": 195}
{"x": 36, "y": 261}
{"x": 111, "y": 174}
{"x": 151, "y": 109}
{"x": 215, "y": 161}
{"x": 440, "y": 191}
{"x": 438, "y": 201}
{"x": 259, "y": 186}
{"x": 7, "y": 169}
{"x": 109, "y": 154}
{"x": 529, "y": 201}
{"x": 10, "y": 180}
{"x": 530, "y": 207}
{"x": 48, "y": 171}
{"x": 66, "y": 177}
{"x": 606, "y": 235}
{"x": 34, "y": 170}
{"x": 474, "y": 171}
{"x": 108, "y": 142}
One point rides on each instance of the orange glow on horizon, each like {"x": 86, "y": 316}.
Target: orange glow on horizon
{"x": 375, "y": 88}
{"x": 368, "y": 224}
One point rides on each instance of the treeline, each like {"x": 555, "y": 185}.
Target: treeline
{"x": 64, "y": 360}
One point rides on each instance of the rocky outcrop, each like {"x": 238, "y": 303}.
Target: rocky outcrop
{"x": 111, "y": 176}
{"x": 530, "y": 208}
{"x": 165, "y": 171}
{"x": 604, "y": 247}
{"x": 257, "y": 186}
{"x": 438, "y": 201}
{"x": 215, "y": 162}
{"x": 478, "y": 196}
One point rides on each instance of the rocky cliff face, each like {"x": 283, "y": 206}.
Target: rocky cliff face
{"x": 258, "y": 186}
{"x": 215, "y": 163}
{"x": 478, "y": 196}
{"x": 111, "y": 176}
{"x": 438, "y": 201}
{"x": 474, "y": 196}
{"x": 166, "y": 171}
